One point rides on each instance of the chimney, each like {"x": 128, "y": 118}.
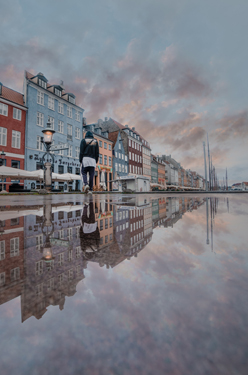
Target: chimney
{"x": 133, "y": 128}
{"x": 126, "y": 126}
{"x": 84, "y": 121}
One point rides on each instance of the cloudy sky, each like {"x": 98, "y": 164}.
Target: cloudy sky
{"x": 173, "y": 69}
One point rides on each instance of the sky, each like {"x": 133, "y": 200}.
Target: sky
{"x": 174, "y": 70}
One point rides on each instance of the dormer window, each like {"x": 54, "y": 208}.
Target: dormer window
{"x": 57, "y": 92}
{"x": 42, "y": 83}
{"x": 71, "y": 99}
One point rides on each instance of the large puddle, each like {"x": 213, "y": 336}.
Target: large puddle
{"x": 124, "y": 285}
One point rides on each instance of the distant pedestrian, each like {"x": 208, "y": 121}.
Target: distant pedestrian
{"x": 88, "y": 157}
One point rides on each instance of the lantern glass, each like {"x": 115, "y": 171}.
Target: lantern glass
{"x": 47, "y": 253}
{"x": 48, "y": 136}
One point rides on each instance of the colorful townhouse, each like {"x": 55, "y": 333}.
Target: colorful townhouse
{"x": 49, "y": 102}
{"x": 12, "y": 132}
{"x": 146, "y": 158}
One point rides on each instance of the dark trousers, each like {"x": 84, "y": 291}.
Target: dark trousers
{"x": 91, "y": 171}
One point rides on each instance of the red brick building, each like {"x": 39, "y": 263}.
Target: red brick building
{"x": 12, "y": 130}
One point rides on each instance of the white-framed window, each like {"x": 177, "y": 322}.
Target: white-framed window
{"x": 77, "y": 114}
{"x": 122, "y": 168}
{"x": 122, "y": 156}
{"x": 69, "y": 233}
{"x": 61, "y": 152}
{"x": 3, "y": 109}
{"x": 130, "y": 143}
{"x": 72, "y": 100}
{"x": 39, "y": 144}
{"x": 69, "y": 129}
{"x": 119, "y": 146}
{"x": 3, "y": 136}
{"x": 61, "y": 259}
{"x": 40, "y": 119}
{"x": 135, "y": 157}
{"x": 14, "y": 247}
{"x": 119, "y": 167}
{"x": 116, "y": 167}
{"x": 39, "y": 267}
{"x": 126, "y": 168}
{"x": 15, "y": 274}
{"x": 61, "y": 108}
{"x": 69, "y": 153}
{"x": 51, "y": 120}
{"x": 61, "y": 234}
{"x": 40, "y": 97}
{"x": 57, "y": 92}
{"x": 51, "y": 103}
{"x": 78, "y": 251}
{"x": 69, "y": 111}
{"x": 2, "y": 250}
{"x": 16, "y": 139}
{"x": 105, "y": 145}
{"x": 70, "y": 255}
{"x": 130, "y": 155}
{"x": 2, "y": 278}
{"x": 110, "y": 161}
{"x": 39, "y": 241}
{"x": 17, "y": 114}
{"x": 100, "y": 143}
{"x": 42, "y": 83}
{"x": 77, "y": 133}
{"x": 77, "y": 152}
{"x": 125, "y": 157}
{"x": 60, "y": 127}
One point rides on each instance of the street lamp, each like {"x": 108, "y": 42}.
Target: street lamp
{"x": 47, "y": 141}
{"x": 2, "y": 159}
{"x": 46, "y": 225}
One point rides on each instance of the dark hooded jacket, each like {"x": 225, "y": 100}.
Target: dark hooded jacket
{"x": 89, "y": 147}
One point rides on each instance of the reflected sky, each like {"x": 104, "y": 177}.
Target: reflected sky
{"x": 125, "y": 285}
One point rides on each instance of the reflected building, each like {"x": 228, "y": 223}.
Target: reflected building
{"x": 11, "y": 258}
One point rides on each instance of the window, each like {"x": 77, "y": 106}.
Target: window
{"x": 122, "y": 168}
{"x": 110, "y": 222}
{"x": 61, "y": 259}
{"x": 71, "y": 99}
{"x": 100, "y": 158}
{"x": 39, "y": 241}
{"x": 69, "y": 152}
{"x": 70, "y": 254}
{"x": 110, "y": 148}
{"x": 3, "y": 109}
{"x": 69, "y": 170}
{"x": 39, "y": 145}
{"x": 15, "y": 274}
{"x": 110, "y": 161}
{"x": 69, "y": 232}
{"x": 105, "y": 160}
{"x": 100, "y": 143}
{"x": 17, "y": 114}
{"x": 60, "y": 169}
{"x": 106, "y": 223}
{"x": 77, "y": 133}
{"x": 3, "y": 136}
{"x": 42, "y": 83}
{"x": 60, "y": 127}
{"x": 2, "y": 278}
{"x": 69, "y": 111}
{"x": 69, "y": 130}
{"x": 16, "y": 139}
{"x": 15, "y": 164}
{"x": 61, "y": 108}
{"x": 122, "y": 157}
{"x": 101, "y": 224}
{"x": 77, "y": 152}
{"x": 77, "y": 113}
{"x": 39, "y": 267}
{"x": 119, "y": 167}
{"x": 40, "y": 97}
{"x": 105, "y": 145}
{"x": 51, "y": 103}
{"x": 106, "y": 239}
{"x": 2, "y": 250}
{"x": 61, "y": 152}
{"x": 126, "y": 168}
{"x": 14, "y": 247}
{"x": 57, "y": 91}
{"x": 51, "y": 120}
{"x": 40, "y": 119}
{"x": 116, "y": 167}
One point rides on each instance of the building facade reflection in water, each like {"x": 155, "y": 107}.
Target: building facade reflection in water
{"x": 43, "y": 257}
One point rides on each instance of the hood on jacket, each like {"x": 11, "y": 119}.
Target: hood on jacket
{"x": 89, "y": 135}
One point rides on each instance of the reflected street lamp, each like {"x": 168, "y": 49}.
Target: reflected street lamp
{"x": 46, "y": 225}
{"x": 47, "y": 141}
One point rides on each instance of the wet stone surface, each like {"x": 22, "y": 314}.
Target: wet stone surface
{"x": 113, "y": 284}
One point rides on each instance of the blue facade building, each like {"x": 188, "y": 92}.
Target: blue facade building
{"x": 50, "y": 103}
{"x": 120, "y": 160}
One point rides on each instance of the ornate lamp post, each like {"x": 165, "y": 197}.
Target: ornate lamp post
{"x": 2, "y": 161}
{"x": 46, "y": 225}
{"x": 47, "y": 141}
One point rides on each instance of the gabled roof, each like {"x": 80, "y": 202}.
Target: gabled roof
{"x": 12, "y": 96}
{"x": 113, "y": 136}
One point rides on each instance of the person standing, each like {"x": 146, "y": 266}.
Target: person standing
{"x": 88, "y": 157}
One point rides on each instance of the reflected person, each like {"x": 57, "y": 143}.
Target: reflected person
{"x": 89, "y": 232}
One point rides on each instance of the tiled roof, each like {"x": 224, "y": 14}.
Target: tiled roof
{"x": 113, "y": 136}
{"x": 12, "y": 96}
